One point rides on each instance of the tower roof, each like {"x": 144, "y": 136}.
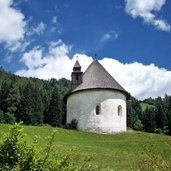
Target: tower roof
{"x": 77, "y": 64}
{"x": 96, "y": 77}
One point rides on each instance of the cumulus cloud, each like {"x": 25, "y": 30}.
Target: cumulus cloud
{"x": 55, "y": 64}
{"x": 146, "y": 10}
{"x": 142, "y": 81}
{"x": 12, "y": 27}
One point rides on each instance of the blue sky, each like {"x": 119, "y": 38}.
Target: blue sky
{"x": 39, "y": 38}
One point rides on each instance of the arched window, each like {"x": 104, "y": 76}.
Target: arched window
{"x": 119, "y": 110}
{"x": 98, "y": 109}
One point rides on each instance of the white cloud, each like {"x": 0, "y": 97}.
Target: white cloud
{"x": 106, "y": 38}
{"x": 39, "y": 29}
{"x": 33, "y": 59}
{"x": 146, "y": 9}
{"x": 55, "y": 64}
{"x": 53, "y": 29}
{"x": 55, "y": 20}
{"x": 142, "y": 81}
{"x": 56, "y": 26}
{"x": 8, "y": 59}
{"x": 109, "y": 36}
{"x": 19, "y": 45}
{"x": 12, "y": 24}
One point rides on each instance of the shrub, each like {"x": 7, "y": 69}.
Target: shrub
{"x": 158, "y": 131}
{"x": 166, "y": 130}
{"x": 1, "y": 116}
{"x": 72, "y": 125}
{"x": 17, "y": 155}
{"x": 9, "y": 118}
{"x": 137, "y": 125}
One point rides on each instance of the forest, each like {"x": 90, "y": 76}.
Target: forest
{"x": 36, "y": 102}
{"x": 31, "y": 100}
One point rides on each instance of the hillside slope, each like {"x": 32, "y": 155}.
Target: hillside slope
{"x": 125, "y": 151}
{"x": 145, "y": 105}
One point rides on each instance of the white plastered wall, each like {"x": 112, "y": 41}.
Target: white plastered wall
{"x": 81, "y": 106}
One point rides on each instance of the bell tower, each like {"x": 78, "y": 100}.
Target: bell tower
{"x": 76, "y": 75}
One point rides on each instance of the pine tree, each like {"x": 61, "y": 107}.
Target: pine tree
{"x": 161, "y": 117}
{"x": 30, "y": 110}
{"x": 53, "y": 116}
{"x": 149, "y": 120}
{"x": 169, "y": 121}
{"x": 5, "y": 86}
{"x": 133, "y": 112}
{"x": 13, "y": 99}
{"x": 167, "y": 101}
{"x": 1, "y": 116}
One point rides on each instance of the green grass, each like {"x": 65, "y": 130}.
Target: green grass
{"x": 123, "y": 151}
{"x": 145, "y": 105}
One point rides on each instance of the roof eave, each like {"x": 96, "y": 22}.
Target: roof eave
{"x": 98, "y": 88}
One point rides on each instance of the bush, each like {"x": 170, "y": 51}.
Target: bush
{"x": 1, "y": 116}
{"x": 166, "y": 130}
{"x": 9, "y": 118}
{"x": 158, "y": 131}
{"x": 137, "y": 125}
{"x": 17, "y": 155}
{"x": 72, "y": 125}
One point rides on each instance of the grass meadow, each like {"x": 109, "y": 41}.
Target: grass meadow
{"x": 145, "y": 105}
{"x": 123, "y": 151}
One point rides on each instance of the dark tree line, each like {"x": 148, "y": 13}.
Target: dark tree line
{"x": 32, "y": 100}
{"x": 37, "y": 102}
{"x": 155, "y": 118}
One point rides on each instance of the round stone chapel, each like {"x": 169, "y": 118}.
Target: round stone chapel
{"x": 96, "y": 100}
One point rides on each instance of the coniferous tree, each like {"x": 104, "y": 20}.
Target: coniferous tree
{"x": 167, "y": 101}
{"x": 149, "y": 101}
{"x": 13, "y": 99}
{"x": 1, "y": 116}
{"x": 30, "y": 110}
{"x": 53, "y": 116}
{"x": 5, "y": 86}
{"x": 169, "y": 121}
{"x": 63, "y": 87}
{"x": 149, "y": 120}
{"x": 9, "y": 118}
{"x": 133, "y": 112}
{"x": 161, "y": 118}
{"x": 28, "y": 99}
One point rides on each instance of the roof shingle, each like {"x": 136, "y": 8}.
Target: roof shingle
{"x": 97, "y": 77}
{"x": 77, "y": 64}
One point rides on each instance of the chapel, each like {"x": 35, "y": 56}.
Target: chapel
{"x": 96, "y": 100}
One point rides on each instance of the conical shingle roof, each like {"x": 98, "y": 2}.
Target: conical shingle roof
{"x": 77, "y": 64}
{"x": 96, "y": 77}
